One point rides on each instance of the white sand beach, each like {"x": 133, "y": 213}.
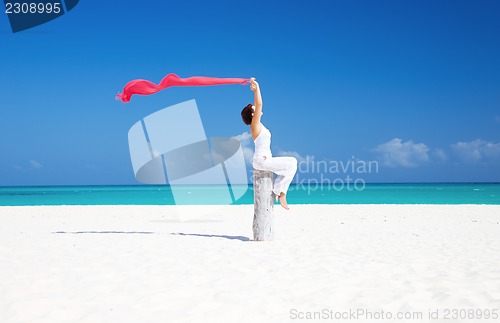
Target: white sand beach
{"x": 328, "y": 263}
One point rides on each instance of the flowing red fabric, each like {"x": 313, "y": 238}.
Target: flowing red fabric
{"x": 145, "y": 87}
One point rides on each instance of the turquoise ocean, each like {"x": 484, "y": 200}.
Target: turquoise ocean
{"x": 408, "y": 193}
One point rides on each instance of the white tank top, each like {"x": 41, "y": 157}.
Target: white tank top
{"x": 263, "y": 145}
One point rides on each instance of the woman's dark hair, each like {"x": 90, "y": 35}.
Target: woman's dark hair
{"x": 246, "y": 114}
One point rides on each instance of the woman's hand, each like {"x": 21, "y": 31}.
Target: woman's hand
{"x": 257, "y": 101}
{"x": 253, "y": 84}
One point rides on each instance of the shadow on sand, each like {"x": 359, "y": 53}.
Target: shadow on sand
{"x": 104, "y": 232}
{"x": 241, "y": 238}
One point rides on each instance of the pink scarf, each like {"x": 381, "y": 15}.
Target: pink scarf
{"x": 145, "y": 87}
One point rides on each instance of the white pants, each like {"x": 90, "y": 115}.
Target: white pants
{"x": 284, "y": 167}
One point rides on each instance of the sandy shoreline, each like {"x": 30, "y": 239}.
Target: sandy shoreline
{"x": 145, "y": 264}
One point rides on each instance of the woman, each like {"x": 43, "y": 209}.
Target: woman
{"x": 283, "y": 167}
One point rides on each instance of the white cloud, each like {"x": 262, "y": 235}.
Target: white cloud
{"x": 246, "y": 136}
{"x": 247, "y": 146}
{"x": 295, "y": 154}
{"x": 439, "y": 155}
{"x": 476, "y": 150}
{"x": 395, "y": 153}
{"x": 35, "y": 164}
{"x": 497, "y": 119}
{"x": 156, "y": 153}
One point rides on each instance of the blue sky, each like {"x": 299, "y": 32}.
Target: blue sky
{"x": 413, "y": 85}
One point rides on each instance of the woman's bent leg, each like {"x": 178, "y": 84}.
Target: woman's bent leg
{"x": 284, "y": 167}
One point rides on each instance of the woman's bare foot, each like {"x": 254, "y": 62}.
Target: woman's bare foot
{"x": 283, "y": 202}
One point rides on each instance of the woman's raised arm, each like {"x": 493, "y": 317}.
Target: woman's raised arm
{"x": 254, "y": 86}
